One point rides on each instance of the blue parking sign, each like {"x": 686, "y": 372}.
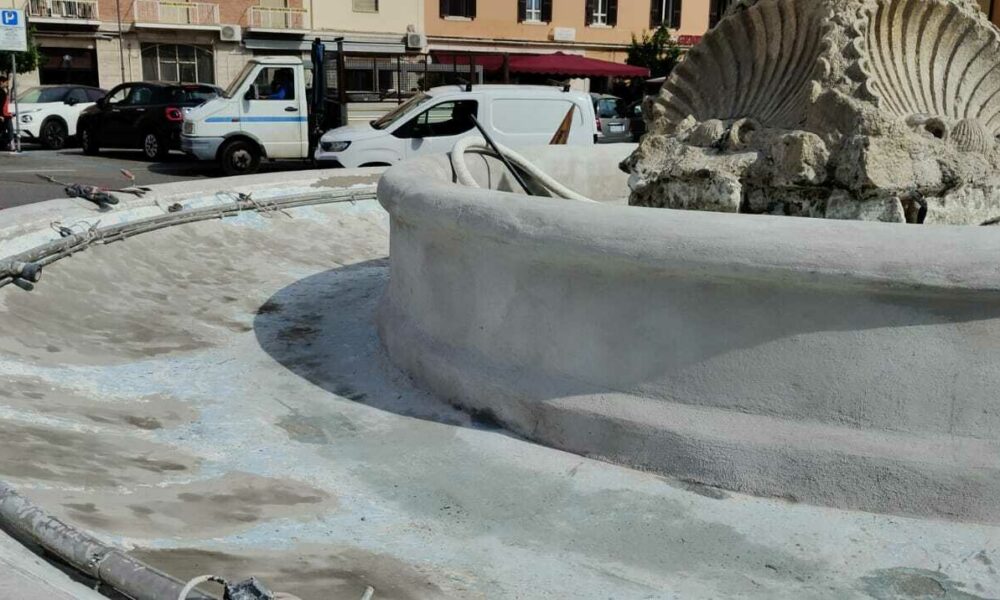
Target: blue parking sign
{"x": 9, "y": 18}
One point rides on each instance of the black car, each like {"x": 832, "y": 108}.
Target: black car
{"x": 144, "y": 115}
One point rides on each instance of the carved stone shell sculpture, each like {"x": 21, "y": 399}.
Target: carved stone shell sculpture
{"x": 769, "y": 60}
{"x": 757, "y": 63}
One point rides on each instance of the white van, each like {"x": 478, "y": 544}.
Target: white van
{"x": 432, "y": 121}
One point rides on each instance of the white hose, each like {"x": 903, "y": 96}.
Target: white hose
{"x": 480, "y": 145}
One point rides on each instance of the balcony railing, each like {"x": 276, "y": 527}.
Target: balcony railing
{"x": 175, "y": 13}
{"x": 263, "y": 17}
{"x": 78, "y": 10}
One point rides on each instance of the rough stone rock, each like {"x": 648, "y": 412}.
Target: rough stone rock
{"x": 881, "y": 110}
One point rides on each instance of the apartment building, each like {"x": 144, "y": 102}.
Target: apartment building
{"x": 103, "y": 42}
{"x": 596, "y": 28}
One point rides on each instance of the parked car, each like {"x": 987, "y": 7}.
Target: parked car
{"x": 637, "y": 121}
{"x": 432, "y": 121}
{"x": 48, "y": 114}
{"x": 144, "y": 115}
{"x": 613, "y": 123}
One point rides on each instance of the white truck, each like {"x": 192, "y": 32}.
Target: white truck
{"x": 273, "y": 111}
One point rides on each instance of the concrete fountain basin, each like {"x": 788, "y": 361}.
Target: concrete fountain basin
{"x": 846, "y": 364}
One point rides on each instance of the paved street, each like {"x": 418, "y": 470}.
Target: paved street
{"x": 19, "y": 183}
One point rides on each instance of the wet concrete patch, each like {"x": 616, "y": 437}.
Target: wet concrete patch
{"x": 916, "y": 584}
{"x": 31, "y": 395}
{"x": 206, "y": 508}
{"x": 31, "y": 453}
{"x": 309, "y": 571}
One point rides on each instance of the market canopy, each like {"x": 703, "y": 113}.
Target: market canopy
{"x": 560, "y": 64}
{"x": 572, "y": 65}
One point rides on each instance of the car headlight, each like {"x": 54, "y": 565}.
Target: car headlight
{"x": 335, "y": 146}
{"x": 27, "y": 119}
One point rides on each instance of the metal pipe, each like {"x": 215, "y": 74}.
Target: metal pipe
{"x": 83, "y": 552}
{"x": 504, "y": 159}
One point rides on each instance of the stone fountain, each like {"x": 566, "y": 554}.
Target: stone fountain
{"x": 882, "y": 110}
{"x": 846, "y": 361}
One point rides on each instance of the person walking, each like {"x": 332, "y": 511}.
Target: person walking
{"x": 6, "y": 116}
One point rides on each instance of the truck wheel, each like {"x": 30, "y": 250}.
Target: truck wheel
{"x": 88, "y": 142}
{"x": 240, "y": 158}
{"x": 53, "y": 134}
{"x": 155, "y": 146}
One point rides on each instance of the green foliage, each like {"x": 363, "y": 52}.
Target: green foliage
{"x": 658, "y": 52}
{"x": 26, "y": 61}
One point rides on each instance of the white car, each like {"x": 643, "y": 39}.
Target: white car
{"x": 48, "y": 114}
{"x": 432, "y": 121}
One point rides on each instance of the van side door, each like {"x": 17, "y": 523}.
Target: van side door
{"x": 521, "y": 121}
{"x": 436, "y": 129}
{"x": 275, "y": 112}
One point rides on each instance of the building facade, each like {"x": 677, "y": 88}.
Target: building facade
{"x": 105, "y": 42}
{"x": 600, "y": 29}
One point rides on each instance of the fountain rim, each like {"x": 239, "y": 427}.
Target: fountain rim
{"x": 885, "y": 257}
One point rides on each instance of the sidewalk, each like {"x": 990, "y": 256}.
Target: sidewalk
{"x": 25, "y": 576}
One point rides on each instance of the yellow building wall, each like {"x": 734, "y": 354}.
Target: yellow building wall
{"x": 393, "y": 16}
{"x": 496, "y": 20}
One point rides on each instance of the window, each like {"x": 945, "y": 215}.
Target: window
{"x": 43, "y": 95}
{"x": 177, "y": 62}
{"x": 77, "y": 96}
{"x": 140, "y": 96}
{"x": 443, "y": 120}
{"x": 717, "y": 11}
{"x": 93, "y": 95}
{"x": 667, "y": 13}
{"x": 534, "y": 11}
{"x": 602, "y": 12}
{"x": 118, "y": 95}
{"x": 274, "y": 84}
{"x": 458, "y": 8}
{"x": 368, "y": 6}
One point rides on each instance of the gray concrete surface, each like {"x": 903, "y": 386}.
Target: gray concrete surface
{"x": 840, "y": 363}
{"x": 215, "y": 396}
{"x": 19, "y": 184}
{"x": 26, "y": 576}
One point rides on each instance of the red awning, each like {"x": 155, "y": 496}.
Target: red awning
{"x": 572, "y": 65}
{"x": 566, "y": 65}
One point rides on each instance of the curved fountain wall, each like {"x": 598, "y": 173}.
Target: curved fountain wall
{"x": 841, "y": 363}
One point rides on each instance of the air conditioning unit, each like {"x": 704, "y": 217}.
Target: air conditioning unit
{"x": 415, "y": 41}
{"x": 231, "y": 33}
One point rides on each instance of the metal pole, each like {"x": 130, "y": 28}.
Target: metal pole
{"x": 503, "y": 158}
{"x": 342, "y": 81}
{"x": 121, "y": 37}
{"x": 399, "y": 80}
{"x": 13, "y": 93}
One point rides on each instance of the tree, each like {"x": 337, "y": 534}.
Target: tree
{"x": 26, "y": 61}
{"x": 658, "y": 52}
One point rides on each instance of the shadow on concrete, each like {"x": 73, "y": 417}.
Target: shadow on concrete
{"x": 322, "y": 328}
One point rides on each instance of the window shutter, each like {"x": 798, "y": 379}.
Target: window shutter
{"x": 444, "y": 8}
{"x": 470, "y": 10}
{"x": 612, "y": 12}
{"x": 675, "y": 16}
{"x": 546, "y": 11}
{"x": 588, "y": 12}
{"x": 656, "y": 14}
{"x": 522, "y": 11}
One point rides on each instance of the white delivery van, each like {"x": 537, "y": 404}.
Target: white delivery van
{"x": 271, "y": 112}
{"x": 432, "y": 121}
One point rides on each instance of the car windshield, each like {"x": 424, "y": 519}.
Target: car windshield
{"x": 400, "y": 111}
{"x": 610, "y": 108}
{"x": 238, "y": 81}
{"x": 42, "y": 95}
{"x": 193, "y": 94}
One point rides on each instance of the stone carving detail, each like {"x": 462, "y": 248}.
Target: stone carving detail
{"x": 862, "y": 109}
